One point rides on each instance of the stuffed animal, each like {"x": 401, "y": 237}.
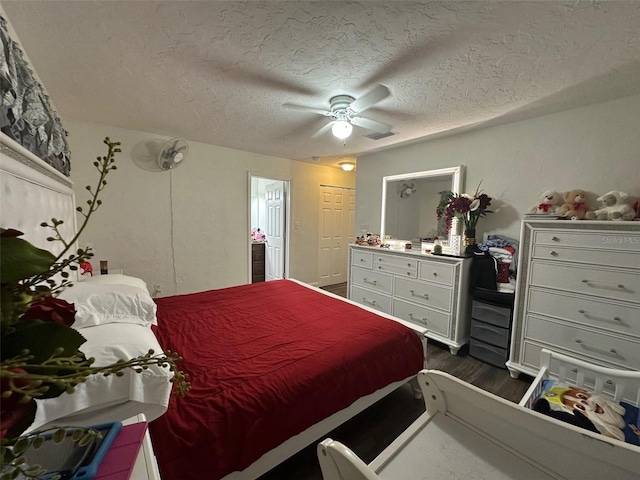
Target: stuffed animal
{"x": 575, "y": 205}
{"x": 576, "y": 417}
{"x": 549, "y": 201}
{"x": 614, "y": 207}
{"x": 605, "y": 415}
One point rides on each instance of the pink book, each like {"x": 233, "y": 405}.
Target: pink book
{"x": 119, "y": 460}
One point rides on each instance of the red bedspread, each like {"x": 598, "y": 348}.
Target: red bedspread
{"x": 266, "y": 361}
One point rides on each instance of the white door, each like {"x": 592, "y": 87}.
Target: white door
{"x": 275, "y": 231}
{"x": 337, "y": 216}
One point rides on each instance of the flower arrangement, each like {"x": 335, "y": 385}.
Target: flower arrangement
{"x": 467, "y": 208}
{"x": 40, "y": 356}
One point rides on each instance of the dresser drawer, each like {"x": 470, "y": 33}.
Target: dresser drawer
{"x": 436, "y": 272}
{"x": 596, "y": 240}
{"x": 496, "y": 336}
{"x": 618, "y": 318}
{"x": 371, "y": 279}
{"x": 404, "y": 266}
{"x": 362, "y": 259}
{"x": 437, "y": 322}
{"x": 587, "y": 280}
{"x": 591, "y": 257}
{"x": 605, "y": 348}
{"x": 493, "y": 314}
{"x": 371, "y": 299}
{"x": 423, "y": 293}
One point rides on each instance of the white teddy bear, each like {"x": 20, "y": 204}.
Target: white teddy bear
{"x": 549, "y": 200}
{"x": 614, "y": 207}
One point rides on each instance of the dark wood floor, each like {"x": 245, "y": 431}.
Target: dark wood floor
{"x": 371, "y": 431}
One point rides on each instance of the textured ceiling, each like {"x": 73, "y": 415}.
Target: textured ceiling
{"x": 218, "y": 72}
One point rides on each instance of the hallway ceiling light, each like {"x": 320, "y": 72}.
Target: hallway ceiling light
{"x": 347, "y": 166}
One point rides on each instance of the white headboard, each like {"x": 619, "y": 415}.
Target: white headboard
{"x": 32, "y": 192}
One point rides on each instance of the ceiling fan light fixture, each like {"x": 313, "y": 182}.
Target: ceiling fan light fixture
{"x": 341, "y": 129}
{"x": 347, "y": 166}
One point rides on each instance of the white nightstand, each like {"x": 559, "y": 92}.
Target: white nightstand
{"x": 146, "y": 467}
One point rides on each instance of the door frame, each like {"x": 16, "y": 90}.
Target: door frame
{"x": 287, "y": 218}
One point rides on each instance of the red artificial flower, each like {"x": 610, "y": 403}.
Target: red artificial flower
{"x": 12, "y": 408}
{"x": 51, "y": 309}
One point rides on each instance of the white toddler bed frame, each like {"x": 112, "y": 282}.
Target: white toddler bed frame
{"x": 468, "y": 433}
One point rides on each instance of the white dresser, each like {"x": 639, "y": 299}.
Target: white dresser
{"x": 578, "y": 293}
{"x": 430, "y": 291}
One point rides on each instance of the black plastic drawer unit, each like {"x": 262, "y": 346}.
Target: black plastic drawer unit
{"x": 490, "y": 332}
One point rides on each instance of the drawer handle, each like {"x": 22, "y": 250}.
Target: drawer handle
{"x": 591, "y": 283}
{"x": 419, "y": 319}
{"x": 555, "y": 239}
{"x": 370, "y": 282}
{"x": 553, "y": 253}
{"x": 408, "y": 274}
{"x": 584, "y": 312}
{"x": 423, "y": 295}
{"x": 584, "y": 345}
{"x": 435, "y": 274}
{"x": 370, "y": 302}
{"x": 362, "y": 260}
{"x": 408, "y": 264}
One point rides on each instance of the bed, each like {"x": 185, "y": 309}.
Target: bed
{"x": 273, "y": 367}
{"x": 32, "y": 192}
{"x": 469, "y": 433}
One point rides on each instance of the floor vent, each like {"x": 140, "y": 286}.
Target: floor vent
{"x": 379, "y": 135}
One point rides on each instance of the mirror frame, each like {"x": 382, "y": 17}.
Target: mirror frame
{"x": 457, "y": 179}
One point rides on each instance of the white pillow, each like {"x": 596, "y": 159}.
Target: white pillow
{"x": 117, "y": 279}
{"x": 100, "y": 303}
{"x": 112, "y": 398}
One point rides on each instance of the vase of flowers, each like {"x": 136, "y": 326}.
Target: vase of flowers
{"x": 40, "y": 356}
{"x": 467, "y": 209}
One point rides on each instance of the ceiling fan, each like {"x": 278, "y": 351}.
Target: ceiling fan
{"x": 345, "y": 110}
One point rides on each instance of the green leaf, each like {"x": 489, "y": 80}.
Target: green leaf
{"x": 19, "y": 260}
{"x": 42, "y": 339}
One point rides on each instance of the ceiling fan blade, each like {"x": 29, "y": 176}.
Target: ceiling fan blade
{"x": 303, "y": 108}
{"x": 324, "y": 129}
{"x": 369, "y": 99}
{"x": 371, "y": 124}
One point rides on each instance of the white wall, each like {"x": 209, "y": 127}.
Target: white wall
{"x": 187, "y": 229}
{"x": 595, "y": 148}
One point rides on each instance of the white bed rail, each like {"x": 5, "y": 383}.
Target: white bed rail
{"x": 613, "y": 383}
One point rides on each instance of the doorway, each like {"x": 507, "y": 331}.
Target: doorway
{"x": 337, "y": 219}
{"x": 268, "y": 225}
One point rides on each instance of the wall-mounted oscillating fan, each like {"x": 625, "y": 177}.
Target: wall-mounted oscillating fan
{"x": 173, "y": 153}
{"x": 407, "y": 189}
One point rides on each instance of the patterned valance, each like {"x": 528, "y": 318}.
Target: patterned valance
{"x": 25, "y": 113}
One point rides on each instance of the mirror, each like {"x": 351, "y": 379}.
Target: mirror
{"x": 409, "y": 204}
